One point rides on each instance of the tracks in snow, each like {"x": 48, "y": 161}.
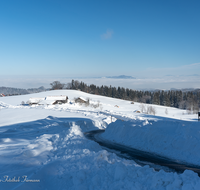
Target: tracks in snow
{"x": 142, "y": 158}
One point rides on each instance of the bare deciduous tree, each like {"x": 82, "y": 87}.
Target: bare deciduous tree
{"x": 166, "y": 111}
{"x": 69, "y": 85}
{"x": 142, "y": 108}
{"x": 151, "y": 110}
{"x": 57, "y": 85}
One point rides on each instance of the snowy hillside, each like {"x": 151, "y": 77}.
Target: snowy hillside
{"x": 43, "y": 146}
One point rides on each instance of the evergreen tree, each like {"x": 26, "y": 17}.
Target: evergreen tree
{"x": 166, "y": 99}
{"x": 156, "y": 98}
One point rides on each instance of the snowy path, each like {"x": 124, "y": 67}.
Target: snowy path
{"x": 141, "y": 157}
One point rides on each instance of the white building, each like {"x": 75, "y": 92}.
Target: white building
{"x": 49, "y": 100}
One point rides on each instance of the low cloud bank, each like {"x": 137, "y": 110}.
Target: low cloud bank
{"x": 164, "y": 83}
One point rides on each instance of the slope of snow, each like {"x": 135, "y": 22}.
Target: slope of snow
{"x": 125, "y": 108}
{"x": 43, "y": 147}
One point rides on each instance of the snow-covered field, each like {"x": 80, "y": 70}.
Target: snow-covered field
{"x": 43, "y": 147}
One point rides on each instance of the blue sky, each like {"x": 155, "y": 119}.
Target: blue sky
{"x": 88, "y": 38}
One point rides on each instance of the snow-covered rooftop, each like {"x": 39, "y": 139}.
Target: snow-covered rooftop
{"x": 56, "y": 97}
{"x": 35, "y": 100}
{"x": 46, "y": 102}
{"x": 82, "y": 99}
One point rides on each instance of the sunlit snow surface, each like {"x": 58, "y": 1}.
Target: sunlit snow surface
{"x": 47, "y": 144}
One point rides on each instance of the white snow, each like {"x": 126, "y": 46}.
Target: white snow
{"x": 43, "y": 147}
{"x": 35, "y": 100}
{"x": 175, "y": 139}
{"x": 56, "y": 98}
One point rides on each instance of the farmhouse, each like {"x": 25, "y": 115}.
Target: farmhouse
{"x": 57, "y": 99}
{"x": 49, "y": 100}
{"x": 80, "y": 100}
{"x": 34, "y": 101}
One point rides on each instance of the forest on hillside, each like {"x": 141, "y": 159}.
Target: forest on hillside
{"x": 189, "y": 100}
{"x": 8, "y": 91}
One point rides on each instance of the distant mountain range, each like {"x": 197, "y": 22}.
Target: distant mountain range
{"x": 186, "y": 89}
{"x": 121, "y": 77}
{"x": 13, "y": 91}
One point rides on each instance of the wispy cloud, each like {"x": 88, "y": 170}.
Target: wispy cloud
{"x": 107, "y": 35}
{"x": 194, "y": 64}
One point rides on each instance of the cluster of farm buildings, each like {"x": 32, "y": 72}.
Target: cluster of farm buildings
{"x": 49, "y": 100}
{"x": 52, "y": 100}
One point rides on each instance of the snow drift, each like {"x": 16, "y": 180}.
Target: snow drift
{"x": 170, "y": 138}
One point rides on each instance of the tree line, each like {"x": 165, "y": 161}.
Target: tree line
{"x": 8, "y": 91}
{"x": 189, "y": 100}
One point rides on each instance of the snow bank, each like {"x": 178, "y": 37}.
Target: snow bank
{"x": 170, "y": 138}
{"x": 54, "y": 153}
